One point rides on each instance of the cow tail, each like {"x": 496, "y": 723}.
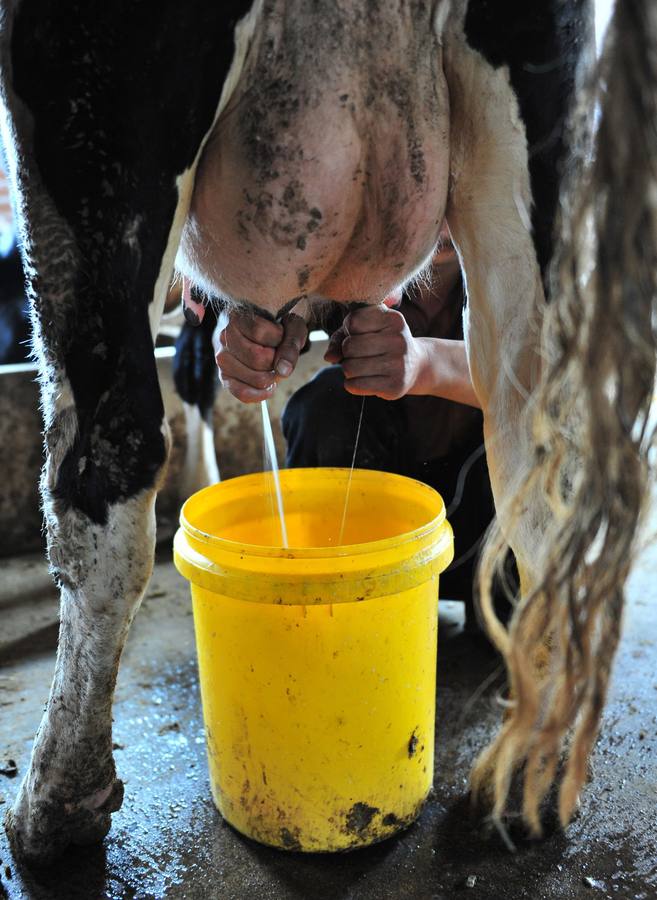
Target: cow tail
{"x": 593, "y": 437}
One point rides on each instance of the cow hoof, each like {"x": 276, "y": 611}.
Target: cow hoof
{"x": 40, "y": 830}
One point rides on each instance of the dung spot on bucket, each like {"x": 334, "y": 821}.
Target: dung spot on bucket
{"x": 392, "y": 821}
{"x": 359, "y": 817}
{"x": 289, "y": 840}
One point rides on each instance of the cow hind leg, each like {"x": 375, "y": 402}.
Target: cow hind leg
{"x": 489, "y": 219}
{"x": 106, "y": 447}
{"x": 563, "y": 634}
{"x": 488, "y": 214}
{"x": 103, "y": 175}
{"x": 71, "y": 787}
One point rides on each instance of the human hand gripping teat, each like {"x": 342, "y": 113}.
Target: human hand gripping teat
{"x": 378, "y": 354}
{"x": 254, "y": 353}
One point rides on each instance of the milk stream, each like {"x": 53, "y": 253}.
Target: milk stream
{"x": 270, "y": 450}
{"x": 351, "y": 473}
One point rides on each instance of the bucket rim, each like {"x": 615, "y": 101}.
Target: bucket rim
{"x": 327, "y": 551}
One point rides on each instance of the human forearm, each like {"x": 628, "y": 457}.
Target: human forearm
{"x": 443, "y": 371}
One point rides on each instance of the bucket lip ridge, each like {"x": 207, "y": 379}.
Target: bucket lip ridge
{"x": 316, "y": 552}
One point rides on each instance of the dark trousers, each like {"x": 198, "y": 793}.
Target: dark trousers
{"x": 319, "y": 424}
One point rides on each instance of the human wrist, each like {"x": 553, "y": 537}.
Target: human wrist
{"x": 444, "y": 372}
{"x": 426, "y": 377}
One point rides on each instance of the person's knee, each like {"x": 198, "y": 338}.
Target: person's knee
{"x": 314, "y": 408}
{"x": 319, "y": 421}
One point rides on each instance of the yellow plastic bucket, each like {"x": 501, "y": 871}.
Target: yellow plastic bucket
{"x": 317, "y": 663}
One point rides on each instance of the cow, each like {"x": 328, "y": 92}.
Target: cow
{"x": 280, "y": 150}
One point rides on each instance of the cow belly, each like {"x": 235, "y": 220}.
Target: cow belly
{"x": 326, "y": 174}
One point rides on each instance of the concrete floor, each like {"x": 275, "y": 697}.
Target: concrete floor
{"x": 169, "y": 841}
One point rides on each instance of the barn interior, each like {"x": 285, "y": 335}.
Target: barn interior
{"x": 169, "y": 841}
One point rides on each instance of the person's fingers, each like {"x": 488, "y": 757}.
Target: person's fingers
{"x": 232, "y": 368}
{"x": 294, "y": 338}
{"x": 245, "y": 392}
{"x": 334, "y": 350}
{"x": 370, "y": 366}
{"x": 255, "y": 356}
{"x": 374, "y": 386}
{"x": 369, "y": 319}
{"x": 260, "y": 330}
{"x": 378, "y": 343}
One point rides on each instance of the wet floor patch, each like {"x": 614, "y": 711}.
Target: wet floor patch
{"x": 169, "y": 841}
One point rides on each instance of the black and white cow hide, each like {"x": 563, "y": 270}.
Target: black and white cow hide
{"x": 106, "y": 110}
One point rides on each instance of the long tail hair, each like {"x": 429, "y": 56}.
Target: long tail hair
{"x": 592, "y": 434}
